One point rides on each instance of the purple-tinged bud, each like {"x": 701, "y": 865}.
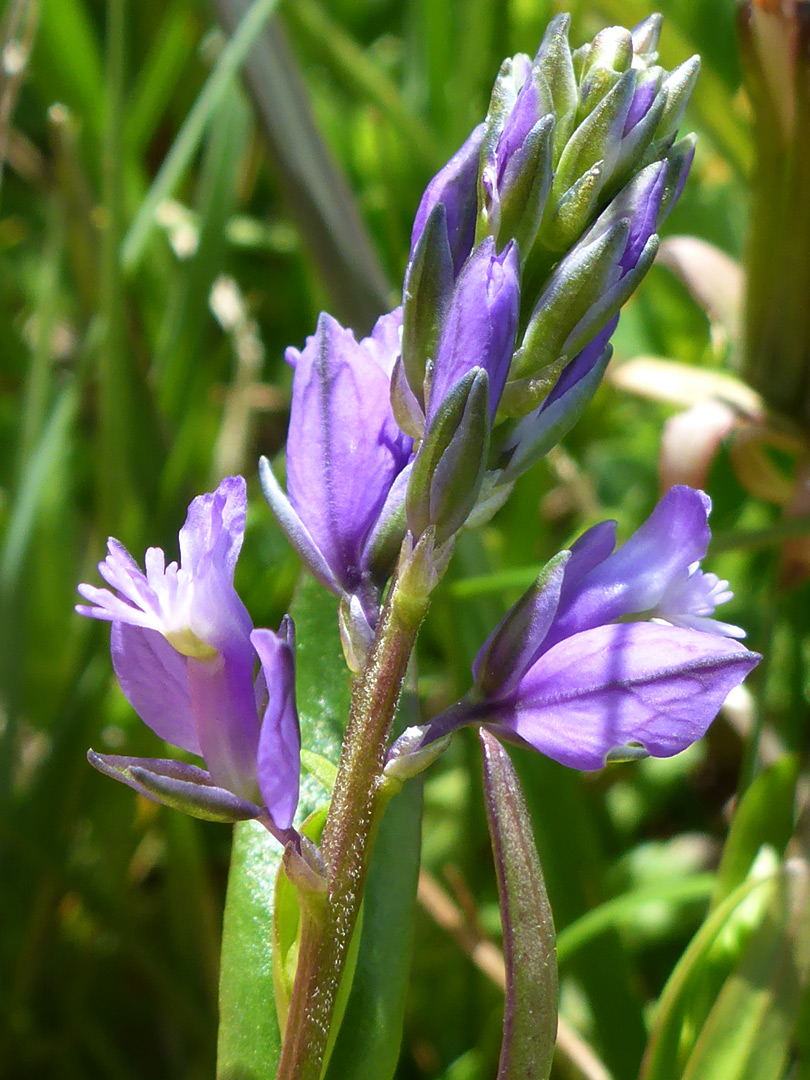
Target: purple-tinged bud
{"x": 449, "y": 468}
{"x": 479, "y": 326}
{"x": 454, "y": 187}
{"x": 516, "y": 160}
{"x": 587, "y": 287}
{"x": 426, "y": 296}
{"x": 534, "y": 435}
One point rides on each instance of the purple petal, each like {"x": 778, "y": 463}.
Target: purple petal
{"x": 481, "y": 323}
{"x": 582, "y": 364}
{"x": 154, "y": 679}
{"x": 215, "y": 528}
{"x": 224, "y": 708}
{"x": 523, "y": 116}
{"x": 278, "y": 761}
{"x": 455, "y": 187}
{"x": 634, "y": 578}
{"x": 656, "y": 685}
{"x": 344, "y": 448}
{"x": 640, "y": 105}
{"x": 384, "y": 343}
{"x": 644, "y": 221}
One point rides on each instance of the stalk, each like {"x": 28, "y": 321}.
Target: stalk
{"x": 348, "y": 837}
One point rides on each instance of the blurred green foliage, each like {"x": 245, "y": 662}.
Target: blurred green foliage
{"x": 165, "y": 232}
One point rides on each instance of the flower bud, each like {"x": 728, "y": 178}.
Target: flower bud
{"x": 479, "y": 326}
{"x": 427, "y": 291}
{"x": 449, "y": 468}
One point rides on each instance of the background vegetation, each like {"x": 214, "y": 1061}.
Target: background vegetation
{"x": 165, "y": 231}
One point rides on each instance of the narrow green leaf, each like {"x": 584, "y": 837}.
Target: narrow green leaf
{"x": 622, "y": 910}
{"x": 747, "y": 1034}
{"x": 530, "y": 1012}
{"x": 733, "y": 920}
{"x": 249, "y": 1038}
{"x": 188, "y": 138}
{"x": 764, "y": 816}
{"x": 324, "y": 209}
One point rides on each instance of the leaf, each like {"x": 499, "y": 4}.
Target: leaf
{"x": 747, "y": 1034}
{"x": 530, "y": 1013}
{"x": 190, "y": 135}
{"x": 249, "y": 1038}
{"x": 730, "y": 925}
{"x": 764, "y": 816}
{"x": 321, "y": 203}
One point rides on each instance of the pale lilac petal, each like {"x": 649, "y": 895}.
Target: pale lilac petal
{"x": 153, "y": 677}
{"x": 384, "y": 344}
{"x": 215, "y": 527}
{"x": 224, "y": 709}
{"x": 646, "y": 683}
{"x": 278, "y": 762}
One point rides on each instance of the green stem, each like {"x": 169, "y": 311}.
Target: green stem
{"x": 348, "y": 838}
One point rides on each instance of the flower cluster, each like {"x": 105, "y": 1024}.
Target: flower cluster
{"x": 524, "y": 247}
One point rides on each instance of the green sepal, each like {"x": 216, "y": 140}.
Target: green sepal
{"x": 522, "y": 205}
{"x": 578, "y": 283}
{"x": 596, "y": 138}
{"x": 553, "y": 61}
{"x": 449, "y": 468}
{"x": 428, "y": 286}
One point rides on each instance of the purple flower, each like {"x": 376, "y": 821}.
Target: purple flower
{"x": 480, "y": 324}
{"x": 611, "y": 652}
{"x": 345, "y": 458}
{"x": 184, "y": 650}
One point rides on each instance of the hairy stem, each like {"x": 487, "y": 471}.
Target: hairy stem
{"x": 348, "y": 838}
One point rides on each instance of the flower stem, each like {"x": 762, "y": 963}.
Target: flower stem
{"x": 348, "y": 837}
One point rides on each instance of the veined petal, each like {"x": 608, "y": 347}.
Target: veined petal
{"x": 637, "y": 575}
{"x": 279, "y": 753}
{"x": 224, "y": 710}
{"x": 154, "y": 679}
{"x": 647, "y": 683}
{"x": 480, "y": 326}
{"x": 344, "y": 448}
